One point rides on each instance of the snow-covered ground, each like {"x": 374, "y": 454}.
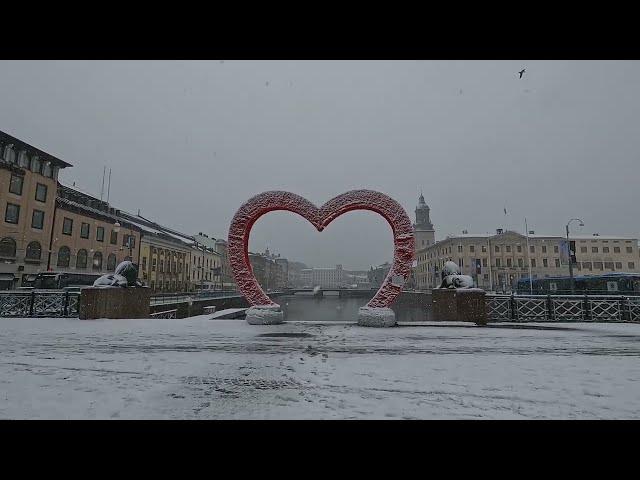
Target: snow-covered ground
{"x": 227, "y": 369}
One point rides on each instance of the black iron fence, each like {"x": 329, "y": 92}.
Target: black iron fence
{"x": 39, "y": 303}
{"x": 563, "y": 308}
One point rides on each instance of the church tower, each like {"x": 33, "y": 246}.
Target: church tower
{"x": 423, "y": 231}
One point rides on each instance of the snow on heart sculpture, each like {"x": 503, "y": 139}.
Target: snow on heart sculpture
{"x": 263, "y": 310}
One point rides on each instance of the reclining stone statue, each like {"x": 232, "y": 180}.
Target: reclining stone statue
{"x": 126, "y": 275}
{"x": 452, "y": 278}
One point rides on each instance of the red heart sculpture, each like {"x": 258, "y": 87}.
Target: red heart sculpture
{"x": 254, "y": 208}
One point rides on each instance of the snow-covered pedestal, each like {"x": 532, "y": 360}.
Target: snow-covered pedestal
{"x": 114, "y": 302}
{"x": 376, "y": 317}
{"x": 265, "y": 315}
{"x": 459, "y": 305}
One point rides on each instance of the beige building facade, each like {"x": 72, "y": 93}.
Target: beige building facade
{"x": 497, "y": 261}
{"x": 28, "y": 189}
{"x": 88, "y": 236}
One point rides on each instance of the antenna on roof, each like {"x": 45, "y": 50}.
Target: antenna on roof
{"x": 109, "y": 187}
{"x": 104, "y": 171}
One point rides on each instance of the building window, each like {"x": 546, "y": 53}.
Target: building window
{"x": 100, "y": 234}
{"x": 631, "y": 265}
{"x": 594, "y": 249}
{"x": 508, "y": 248}
{"x": 484, "y": 262}
{"x": 583, "y": 249}
{"x": 618, "y": 264}
{"x": 545, "y": 262}
{"x": 34, "y": 251}
{"x": 519, "y": 248}
{"x": 544, "y": 249}
{"x": 555, "y": 249}
{"x": 161, "y": 266}
{"x": 64, "y": 254}
{"x": 114, "y": 237}
{"x": 597, "y": 265}
{"x": 629, "y": 249}
{"x": 97, "y": 261}
{"x": 616, "y": 249}
{"x": 497, "y": 248}
{"x": 67, "y": 226}
{"x": 472, "y": 248}
{"x": 497, "y": 262}
{"x": 37, "y": 219}
{"x": 41, "y": 192}
{"x": 111, "y": 262}
{"x": 7, "y": 247}
{"x": 608, "y": 265}
{"x": 84, "y": 230}
{"x": 605, "y": 249}
{"x": 557, "y": 260}
{"x": 533, "y": 262}
{"x": 459, "y": 248}
{"x": 15, "y": 186}
{"x": 153, "y": 265}
{"x": 144, "y": 263}
{"x": 12, "y": 214}
{"x": 520, "y": 263}
{"x": 81, "y": 259}
{"x": 586, "y": 265}
{"x": 484, "y": 249}
{"x": 508, "y": 262}
{"x": 532, "y": 249}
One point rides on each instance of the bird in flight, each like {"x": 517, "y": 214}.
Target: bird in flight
{"x": 521, "y": 72}
{"x": 266, "y": 84}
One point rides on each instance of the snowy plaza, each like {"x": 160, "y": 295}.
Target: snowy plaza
{"x": 197, "y": 368}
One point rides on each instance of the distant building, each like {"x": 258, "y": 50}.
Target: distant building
{"x": 378, "y": 274}
{"x": 497, "y": 261}
{"x": 324, "y": 277}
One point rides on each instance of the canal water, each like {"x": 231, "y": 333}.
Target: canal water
{"x": 325, "y": 308}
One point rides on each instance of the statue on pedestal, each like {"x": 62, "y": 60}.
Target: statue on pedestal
{"x": 452, "y": 278}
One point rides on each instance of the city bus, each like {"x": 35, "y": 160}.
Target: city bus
{"x": 606, "y": 284}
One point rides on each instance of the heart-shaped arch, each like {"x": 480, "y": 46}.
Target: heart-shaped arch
{"x": 255, "y": 207}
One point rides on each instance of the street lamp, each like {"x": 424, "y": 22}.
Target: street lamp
{"x": 569, "y": 247}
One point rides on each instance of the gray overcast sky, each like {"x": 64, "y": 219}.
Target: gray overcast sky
{"x": 189, "y": 141}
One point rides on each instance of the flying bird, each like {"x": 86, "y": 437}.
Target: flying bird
{"x": 521, "y": 72}
{"x": 266, "y": 84}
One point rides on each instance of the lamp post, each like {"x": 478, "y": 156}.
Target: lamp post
{"x": 569, "y": 247}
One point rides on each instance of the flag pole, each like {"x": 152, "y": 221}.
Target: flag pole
{"x": 526, "y": 228}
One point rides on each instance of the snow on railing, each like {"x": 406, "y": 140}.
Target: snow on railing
{"x": 39, "y": 303}
{"x": 562, "y": 308}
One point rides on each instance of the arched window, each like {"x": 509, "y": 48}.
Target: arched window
{"x": 81, "y": 259}
{"x": 97, "y": 261}
{"x": 34, "y": 251}
{"x": 64, "y": 254}
{"x": 7, "y": 247}
{"x": 111, "y": 262}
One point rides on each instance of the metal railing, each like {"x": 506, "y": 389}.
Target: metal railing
{"x": 39, "y": 303}
{"x": 172, "y": 298}
{"x": 165, "y": 314}
{"x": 562, "y": 308}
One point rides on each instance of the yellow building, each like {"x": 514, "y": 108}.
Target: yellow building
{"x": 28, "y": 189}
{"x": 497, "y": 261}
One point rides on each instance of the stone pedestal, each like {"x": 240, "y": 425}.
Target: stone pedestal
{"x": 459, "y": 305}
{"x": 264, "y": 315}
{"x": 376, "y": 317}
{"x": 114, "y": 302}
